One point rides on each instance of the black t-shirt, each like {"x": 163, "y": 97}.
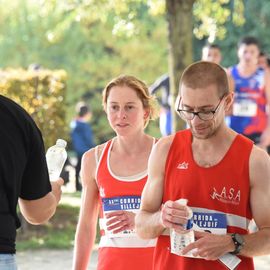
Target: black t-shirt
{"x": 23, "y": 168}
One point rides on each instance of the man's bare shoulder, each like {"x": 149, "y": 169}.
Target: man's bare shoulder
{"x": 258, "y": 155}
{"x": 163, "y": 145}
{"x": 259, "y": 164}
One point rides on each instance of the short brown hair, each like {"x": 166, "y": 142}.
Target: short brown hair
{"x": 148, "y": 101}
{"x": 203, "y": 73}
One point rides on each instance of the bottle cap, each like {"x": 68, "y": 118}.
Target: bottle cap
{"x": 61, "y": 143}
{"x": 184, "y": 202}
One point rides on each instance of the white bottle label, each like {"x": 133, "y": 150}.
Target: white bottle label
{"x": 180, "y": 240}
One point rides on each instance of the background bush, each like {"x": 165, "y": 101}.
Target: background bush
{"x": 41, "y": 93}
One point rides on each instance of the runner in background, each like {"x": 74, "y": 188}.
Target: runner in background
{"x": 165, "y": 118}
{"x": 264, "y": 61}
{"x": 212, "y": 53}
{"x": 251, "y": 94}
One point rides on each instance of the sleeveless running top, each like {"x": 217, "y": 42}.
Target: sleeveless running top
{"x": 249, "y": 107}
{"x": 124, "y": 250}
{"x": 218, "y": 196}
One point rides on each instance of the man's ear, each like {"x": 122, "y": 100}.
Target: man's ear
{"x": 229, "y": 103}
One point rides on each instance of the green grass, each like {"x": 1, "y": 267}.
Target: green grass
{"x": 51, "y": 239}
{"x": 76, "y": 194}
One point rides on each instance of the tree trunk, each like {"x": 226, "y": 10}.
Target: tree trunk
{"x": 179, "y": 17}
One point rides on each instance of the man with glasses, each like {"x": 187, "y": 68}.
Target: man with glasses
{"x": 222, "y": 174}
{"x": 187, "y": 114}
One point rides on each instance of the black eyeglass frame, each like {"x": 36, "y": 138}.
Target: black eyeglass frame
{"x": 198, "y": 113}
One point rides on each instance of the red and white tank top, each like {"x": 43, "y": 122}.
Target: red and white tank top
{"x": 218, "y": 196}
{"x": 124, "y": 250}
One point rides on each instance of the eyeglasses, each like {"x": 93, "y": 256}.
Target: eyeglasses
{"x": 203, "y": 115}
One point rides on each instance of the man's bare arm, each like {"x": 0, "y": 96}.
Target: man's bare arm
{"x": 41, "y": 210}
{"x": 148, "y": 221}
{"x": 258, "y": 243}
{"x": 265, "y": 137}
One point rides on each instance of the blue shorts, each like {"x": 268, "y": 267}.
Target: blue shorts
{"x": 8, "y": 262}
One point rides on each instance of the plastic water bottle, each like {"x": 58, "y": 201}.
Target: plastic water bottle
{"x": 56, "y": 156}
{"x": 181, "y": 240}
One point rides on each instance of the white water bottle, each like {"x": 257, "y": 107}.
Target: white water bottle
{"x": 56, "y": 156}
{"x": 181, "y": 240}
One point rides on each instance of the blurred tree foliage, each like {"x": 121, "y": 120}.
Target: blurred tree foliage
{"x": 67, "y": 35}
{"x": 41, "y": 93}
{"x": 209, "y": 17}
{"x": 257, "y": 23}
{"x": 95, "y": 40}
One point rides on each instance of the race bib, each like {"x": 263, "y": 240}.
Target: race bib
{"x": 245, "y": 108}
{"x": 215, "y": 223}
{"x": 125, "y": 203}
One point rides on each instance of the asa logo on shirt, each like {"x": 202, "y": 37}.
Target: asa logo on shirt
{"x": 226, "y": 195}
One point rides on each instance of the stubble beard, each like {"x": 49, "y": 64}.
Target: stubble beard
{"x": 212, "y": 132}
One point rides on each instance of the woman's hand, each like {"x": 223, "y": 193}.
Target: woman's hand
{"x": 119, "y": 221}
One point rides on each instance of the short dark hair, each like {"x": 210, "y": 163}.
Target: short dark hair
{"x": 211, "y": 46}
{"x": 249, "y": 40}
{"x": 203, "y": 73}
{"x": 82, "y": 109}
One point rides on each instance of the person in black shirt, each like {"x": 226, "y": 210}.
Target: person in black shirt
{"x": 24, "y": 178}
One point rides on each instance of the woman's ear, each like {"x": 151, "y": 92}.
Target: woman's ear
{"x": 146, "y": 113}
